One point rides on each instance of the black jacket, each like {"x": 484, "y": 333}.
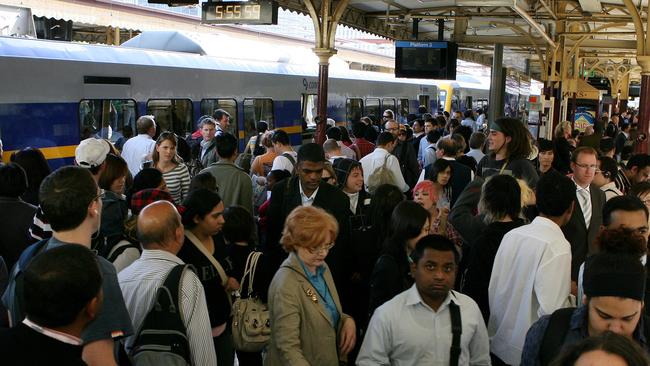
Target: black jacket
{"x": 579, "y": 235}
{"x": 562, "y": 161}
{"x": 408, "y": 162}
{"x": 389, "y": 278}
{"x": 479, "y": 271}
{"x": 16, "y": 216}
{"x": 284, "y": 198}
{"x": 21, "y": 345}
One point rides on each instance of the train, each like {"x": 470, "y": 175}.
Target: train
{"x": 55, "y": 93}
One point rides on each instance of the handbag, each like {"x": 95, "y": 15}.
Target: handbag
{"x": 251, "y": 326}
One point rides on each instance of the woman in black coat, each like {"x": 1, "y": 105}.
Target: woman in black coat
{"x": 391, "y": 274}
{"x": 500, "y": 206}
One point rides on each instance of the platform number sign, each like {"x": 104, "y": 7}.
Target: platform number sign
{"x": 240, "y": 12}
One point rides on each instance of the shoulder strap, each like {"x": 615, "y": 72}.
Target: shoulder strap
{"x": 291, "y": 159}
{"x": 558, "y": 327}
{"x": 456, "y": 332}
{"x": 173, "y": 285}
{"x": 215, "y": 263}
{"x": 249, "y": 270}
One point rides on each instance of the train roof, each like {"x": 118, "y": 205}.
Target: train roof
{"x": 58, "y": 50}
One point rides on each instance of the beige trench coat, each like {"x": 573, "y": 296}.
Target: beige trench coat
{"x": 302, "y": 332}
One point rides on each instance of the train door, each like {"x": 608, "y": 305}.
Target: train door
{"x": 208, "y": 106}
{"x": 442, "y": 100}
{"x": 353, "y": 110}
{"x": 309, "y": 105}
{"x": 255, "y": 110}
{"x": 424, "y": 100}
{"x": 96, "y": 115}
{"x": 373, "y": 110}
{"x": 174, "y": 115}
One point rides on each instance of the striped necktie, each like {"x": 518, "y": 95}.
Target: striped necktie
{"x": 585, "y": 204}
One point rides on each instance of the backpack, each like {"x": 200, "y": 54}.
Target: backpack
{"x": 381, "y": 175}
{"x": 162, "y": 338}
{"x": 258, "y": 149}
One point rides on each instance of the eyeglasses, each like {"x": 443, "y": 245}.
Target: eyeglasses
{"x": 392, "y": 129}
{"x": 325, "y": 249}
{"x": 587, "y": 166}
{"x": 101, "y": 195}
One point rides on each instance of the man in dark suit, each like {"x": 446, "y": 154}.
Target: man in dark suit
{"x": 587, "y": 217}
{"x": 307, "y": 189}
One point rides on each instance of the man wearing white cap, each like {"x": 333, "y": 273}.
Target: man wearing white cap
{"x": 90, "y": 154}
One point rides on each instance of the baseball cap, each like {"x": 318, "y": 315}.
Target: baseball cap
{"x": 91, "y": 152}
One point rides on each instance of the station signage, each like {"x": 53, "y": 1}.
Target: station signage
{"x": 240, "y": 12}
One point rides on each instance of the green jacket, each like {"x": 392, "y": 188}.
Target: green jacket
{"x": 235, "y": 186}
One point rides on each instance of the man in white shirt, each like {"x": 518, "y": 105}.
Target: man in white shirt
{"x": 382, "y": 157}
{"x": 161, "y": 234}
{"x": 468, "y": 120}
{"x": 286, "y": 158}
{"x": 138, "y": 149}
{"x": 417, "y": 326}
{"x": 332, "y": 150}
{"x": 480, "y": 120}
{"x": 531, "y": 276}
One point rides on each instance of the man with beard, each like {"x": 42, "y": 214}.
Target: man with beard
{"x": 400, "y": 331}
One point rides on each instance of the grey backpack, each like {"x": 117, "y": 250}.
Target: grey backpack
{"x": 381, "y": 175}
{"x": 162, "y": 338}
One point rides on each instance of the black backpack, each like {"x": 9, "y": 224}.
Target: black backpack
{"x": 258, "y": 149}
{"x": 162, "y": 338}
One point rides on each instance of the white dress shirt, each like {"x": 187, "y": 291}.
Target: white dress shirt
{"x": 376, "y": 159}
{"x": 584, "y": 200}
{"x": 139, "y": 283}
{"x": 136, "y": 150}
{"x": 531, "y": 277}
{"x": 406, "y": 331}
{"x": 477, "y": 154}
{"x": 307, "y": 201}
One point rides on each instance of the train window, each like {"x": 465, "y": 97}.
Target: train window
{"x": 309, "y": 104}
{"x": 172, "y": 115}
{"x": 255, "y": 110}
{"x": 404, "y": 107}
{"x": 354, "y": 110}
{"x": 468, "y": 102}
{"x": 208, "y": 106}
{"x": 373, "y": 110}
{"x": 97, "y": 115}
{"x": 389, "y": 103}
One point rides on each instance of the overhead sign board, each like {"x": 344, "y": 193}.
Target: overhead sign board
{"x": 240, "y": 12}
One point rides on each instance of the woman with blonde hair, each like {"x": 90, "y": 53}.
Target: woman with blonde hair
{"x": 307, "y": 324}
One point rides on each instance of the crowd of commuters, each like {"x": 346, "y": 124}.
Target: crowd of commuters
{"x": 449, "y": 240}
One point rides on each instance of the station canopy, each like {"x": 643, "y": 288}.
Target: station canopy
{"x": 524, "y": 27}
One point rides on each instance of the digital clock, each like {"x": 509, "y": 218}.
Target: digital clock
{"x": 240, "y": 12}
